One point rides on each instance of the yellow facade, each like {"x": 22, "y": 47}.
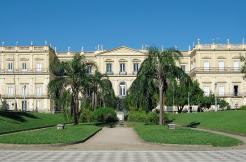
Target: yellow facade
{"x": 25, "y": 71}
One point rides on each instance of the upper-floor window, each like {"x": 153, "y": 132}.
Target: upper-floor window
{"x": 235, "y": 90}
{"x": 38, "y": 67}
{"x": 206, "y": 65}
{"x": 122, "y": 67}
{"x": 24, "y": 90}
{"x": 135, "y": 67}
{"x": 38, "y": 91}
{"x": 89, "y": 69}
{"x": 236, "y": 65}
{"x": 10, "y": 66}
{"x": 23, "y": 66}
{"x": 221, "y": 90}
{"x": 108, "y": 67}
{"x": 221, "y": 65}
{"x": 10, "y": 91}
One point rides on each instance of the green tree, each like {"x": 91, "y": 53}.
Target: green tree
{"x": 71, "y": 77}
{"x": 155, "y": 72}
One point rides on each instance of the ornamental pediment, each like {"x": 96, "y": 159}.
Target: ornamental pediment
{"x": 122, "y": 51}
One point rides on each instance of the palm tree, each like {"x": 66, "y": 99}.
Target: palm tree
{"x": 71, "y": 77}
{"x": 158, "y": 69}
{"x": 95, "y": 85}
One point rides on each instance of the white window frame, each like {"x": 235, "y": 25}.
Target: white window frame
{"x": 24, "y": 66}
{"x": 39, "y": 91}
{"x": 221, "y": 65}
{"x": 236, "y": 65}
{"x": 38, "y": 67}
{"x": 108, "y": 67}
{"x": 122, "y": 67}
{"x": 10, "y": 90}
{"x": 221, "y": 90}
{"x": 24, "y": 91}
{"x": 122, "y": 89}
{"x": 89, "y": 68}
{"x": 135, "y": 67}
{"x": 206, "y": 90}
{"x": 10, "y": 66}
{"x": 184, "y": 67}
{"x": 206, "y": 65}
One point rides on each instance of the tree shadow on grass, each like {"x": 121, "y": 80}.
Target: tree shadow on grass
{"x": 17, "y": 116}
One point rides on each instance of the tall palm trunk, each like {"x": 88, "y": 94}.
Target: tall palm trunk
{"x": 74, "y": 108}
{"x": 95, "y": 101}
{"x": 161, "y": 119}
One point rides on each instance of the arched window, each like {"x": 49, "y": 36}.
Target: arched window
{"x": 122, "y": 89}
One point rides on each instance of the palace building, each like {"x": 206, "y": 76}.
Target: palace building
{"x": 25, "y": 72}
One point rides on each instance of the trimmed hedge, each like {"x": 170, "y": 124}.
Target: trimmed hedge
{"x": 141, "y": 116}
{"x": 243, "y": 107}
{"x": 104, "y": 115}
{"x": 86, "y": 116}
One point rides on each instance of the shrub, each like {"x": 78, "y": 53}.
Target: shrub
{"x": 243, "y": 107}
{"x": 86, "y": 116}
{"x": 141, "y": 116}
{"x": 152, "y": 118}
{"x": 105, "y": 115}
{"x": 137, "y": 116}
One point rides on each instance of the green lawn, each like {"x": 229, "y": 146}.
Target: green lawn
{"x": 227, "y": 121}
{"x": 161, "y": 134}
{"x": 51, "y": 135}
{"x": 14, "y": 121}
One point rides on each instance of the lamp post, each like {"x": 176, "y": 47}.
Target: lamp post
{"x": 215, "y": 97}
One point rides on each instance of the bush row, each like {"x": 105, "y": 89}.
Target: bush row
{"x": 148, "y": 118}
{"x": 141, "y": 116}
{"x": 99, "y": 115}
{"x": 243, "y": 107}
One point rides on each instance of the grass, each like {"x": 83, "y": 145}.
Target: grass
{"x": 226, "y": 121}
{"x": 15, "y": 121}
{"x": 51, "y": 135}
{"x": 161, "y": 134}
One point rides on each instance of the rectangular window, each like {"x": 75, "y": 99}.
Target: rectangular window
{"x": 122, "y": 89}
{"x": 221, "y": 90}
{"x": 122, "y": 67}
{"x": 135, "y": 67}
{"x": 89, "y": 69}
{"x": 221, "y": 65}
{"x": 24, "y": 90}
{"x": 38, "y": 104}
{"x": 235, "y": 90}
{"x": 108, "y": 67}
{"x": 206, "y": 65}
{"x": 183, "y": 67}
{"x": 206, "y": 90}
{"x": 24, "y": 68}
{"x": 236, "y": 65}
{"x": 38, "y": 67}
{"x": 39, "y": 91}
{"x": 10, "y": 91}
{"x": 10, "y": 66}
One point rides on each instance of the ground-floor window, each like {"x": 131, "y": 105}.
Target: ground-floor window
{"x": 122, "y": 89}
{"x": 206, "y": 90}
{"x": 24, "y": 105}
